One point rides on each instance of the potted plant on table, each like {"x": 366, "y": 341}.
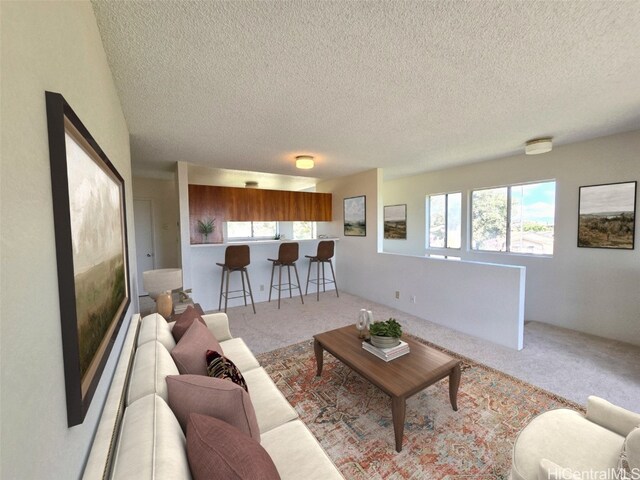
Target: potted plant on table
{"x": 385, "y": 334}
{"x": 206, "y": 227}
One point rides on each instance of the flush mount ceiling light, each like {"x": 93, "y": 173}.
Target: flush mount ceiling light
{"x": 251, "y": 184}
{"x": 304, "y": 162}
{"x": 538, "y": 145}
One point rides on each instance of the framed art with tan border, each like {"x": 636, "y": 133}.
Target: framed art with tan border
{"x": 607, "y": 215}
{"x": 91, "y": 252}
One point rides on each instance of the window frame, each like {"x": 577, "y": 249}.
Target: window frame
{"x": 507, "y": 250}
{"x": 428, "y": 245}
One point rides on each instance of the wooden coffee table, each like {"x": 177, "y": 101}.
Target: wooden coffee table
{"x": 399, "y": 378}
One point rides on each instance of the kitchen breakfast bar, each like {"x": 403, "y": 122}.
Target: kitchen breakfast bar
{"x": 206, "y": 275}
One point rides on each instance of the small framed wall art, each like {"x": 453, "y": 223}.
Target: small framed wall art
{"x": 607, "y": 216}
{"x": 395, "y": 222}
{"x": 91, "y": 250}
{"x": 355, "y": 216}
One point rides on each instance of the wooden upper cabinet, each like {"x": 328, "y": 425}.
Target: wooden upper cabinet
{"x": 251, "y": 204}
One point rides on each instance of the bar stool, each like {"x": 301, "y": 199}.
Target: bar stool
{"x": 324, "y": 255}
{"x": 287, "y": 257}
{"x": 236, "y": 259}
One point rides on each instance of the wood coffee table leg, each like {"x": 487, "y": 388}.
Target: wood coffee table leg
{"x": 454, "y": 383}
{"x": 317, "y": 348}
{"x": 398, "y": 408}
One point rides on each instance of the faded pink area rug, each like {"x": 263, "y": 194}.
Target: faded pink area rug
{"x": 352, "y": 419}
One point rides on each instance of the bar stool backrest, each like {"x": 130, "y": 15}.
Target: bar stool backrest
{"x": 288, "y": 253}
{"x": 237, "y": 256}
{"x": 325, "y": 250}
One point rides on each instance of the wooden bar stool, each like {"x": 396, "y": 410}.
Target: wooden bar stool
{"x": 287, "y": 257}
{"x": 236, "y": 259}
{"x": 324, "y": 255}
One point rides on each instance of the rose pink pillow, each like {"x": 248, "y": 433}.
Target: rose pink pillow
{"x": 213, "y": 397}
{"x": 216, "y": 449}
{"x": 184, "y": 322}
{"x": 190, "y": 352}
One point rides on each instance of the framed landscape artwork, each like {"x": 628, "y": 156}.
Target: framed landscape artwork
{"x": 355, "y": 216}
{"x": 607, "y": 216}
{"x": 395, "y": 222}
{"x": 91, "y": 250}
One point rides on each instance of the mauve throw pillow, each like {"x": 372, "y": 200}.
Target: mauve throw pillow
{"x": 184, "y": 321}
{"x": 190, "y": 352}
{"x": 219, "y": 366}
{"x": 213, "y": 397}
{"x": 216, "y": 449}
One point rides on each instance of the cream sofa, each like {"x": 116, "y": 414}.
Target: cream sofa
{"x": 151, "y": 444}
{"x": 565, "y": 444}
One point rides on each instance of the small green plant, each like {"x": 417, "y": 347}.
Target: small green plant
{"x": 388, "y": 328}
{"x": 206, "y": 227}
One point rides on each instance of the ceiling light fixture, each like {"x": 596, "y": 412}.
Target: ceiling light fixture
{"x": 538, "y": 145}
{"x": 304, "y": 162}
{"x": 251, "y": 184}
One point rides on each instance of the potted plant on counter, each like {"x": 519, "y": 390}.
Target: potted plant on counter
{"x": 385, "y": 334}
{"x": 206, "y": 227}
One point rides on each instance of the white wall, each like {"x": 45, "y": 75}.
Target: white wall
{"x": 52, "y": 46}
{"x": 450, "y": 293}
{"x": 591, "y": 290}
{"x": 164, "y": 204}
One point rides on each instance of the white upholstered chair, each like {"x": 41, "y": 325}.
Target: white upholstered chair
{"x": 565, "y": 444}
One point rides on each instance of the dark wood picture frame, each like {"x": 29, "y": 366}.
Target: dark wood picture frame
{"x": 355, "y": 208}
{"x": 607, "y": 215}
{"x": 89, "y": 212}
{"x": 395, "y": 222}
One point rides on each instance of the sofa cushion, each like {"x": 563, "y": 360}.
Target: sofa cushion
{"x": 216, "y": 449}
{"x": 554, "y": 435}
{"x": 551, "y": 471}
{"x": 237, "y": 351}
{"x": 190, "y": 352}
{"x": 296, "y": 453}
{"x": 221, "y": 367}
{"x": 272, "y": 409}
{"x": 214, "y": 397}
{"x": 155, "y": 327}
{"x": 151, "y": 443}
{"x": 184, "y": 321}
{"x": 151, "y": 365}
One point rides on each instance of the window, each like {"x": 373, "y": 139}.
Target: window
{"x": 252, "y": 229}
{"x": 303, "y": 230}
{"x": 517, "y": 218}
{"x": 445, "y": 218}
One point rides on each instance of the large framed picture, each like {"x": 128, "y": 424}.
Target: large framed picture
{"x": 607, "y": 215}
{"x": 355, "y": 216}
{"x": 395, "y": 222}
{"x": 91, "y": 251}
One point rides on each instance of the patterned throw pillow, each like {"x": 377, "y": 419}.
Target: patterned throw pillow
{"x": 219, "y": 366}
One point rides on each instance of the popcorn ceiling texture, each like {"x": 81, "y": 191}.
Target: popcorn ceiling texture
{"x": 407, "y": 86}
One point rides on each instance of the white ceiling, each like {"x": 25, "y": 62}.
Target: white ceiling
{"x": 405, "y": 86}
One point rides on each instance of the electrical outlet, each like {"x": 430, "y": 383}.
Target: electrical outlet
{"x": 397, "y": 295}
{"x": 412, "y": 299}
{"x": 262, "y": 288}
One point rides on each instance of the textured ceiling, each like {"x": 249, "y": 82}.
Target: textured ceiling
{"x": 405, "y": 86}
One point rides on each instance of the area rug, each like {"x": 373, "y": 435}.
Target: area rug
{"x": 352, "y": 419}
